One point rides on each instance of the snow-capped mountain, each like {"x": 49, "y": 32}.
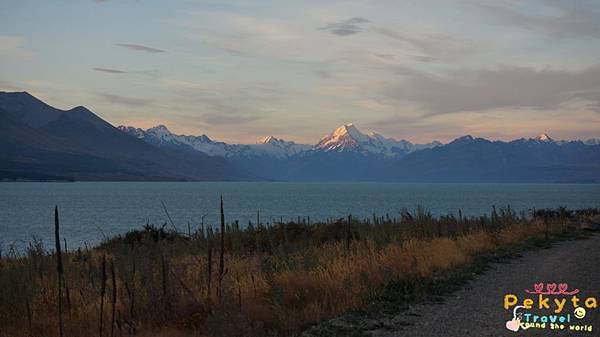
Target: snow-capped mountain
{"x": 160, "y": 135}
{"x": 77, "y": 144}
{"x": 348, "y": 138}
{"x": 347, "y": 154}
{"x": 544, "y": 138}
{"x": 271, "y": 146}
{"x": 273, "y": 158}
{"x": 266, "y": 146}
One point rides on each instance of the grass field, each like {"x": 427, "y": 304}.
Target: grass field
{"x": 259, "y": 280}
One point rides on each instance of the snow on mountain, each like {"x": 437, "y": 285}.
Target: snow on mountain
{"x": 266, "y": 146}
{"x": 161, "y": 131}
{"x": 160, "y": 135}
{"x": 348, "y": 138}
{"x": 345, "y": 138}
{"x": 544, "y": 138}
{"x": 271, "y": 146}
{"x": 266, "y": 140}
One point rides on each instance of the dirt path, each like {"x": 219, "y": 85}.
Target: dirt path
{"x": 477, "y": 309}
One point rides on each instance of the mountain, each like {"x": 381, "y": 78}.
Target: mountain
{"x": 468, "y": 159}
{"x": 592, "y": 141}
{"x": 27, "y": 109}
{"x": 543, "y": 137}
{"x": 39, "y": 140}
{"x": 348, "y": 138}
{"x": 345, "y": 154}
{"x": 275, "y": 147}
{"x": 269, "y": 159}
{"x": 266, "y": 146}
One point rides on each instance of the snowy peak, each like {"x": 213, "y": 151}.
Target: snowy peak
{"x": 133, "y": 131}
{"x": 378, "y": 136}
{"x": 273, "y": 141}
{"x": 160, "y": 135}
{"x": 159, "y": 130}
{"x": 344, "y": 137}
{"x": 267, "y": 140}
{"x": 544, "y": 138}
{"x": 266, "y": 146}
{"x": 274, "y": 147}
{"x": 592, "y": 141}
{"x": 348, "y": 138}
{"x": 349, "y": 130}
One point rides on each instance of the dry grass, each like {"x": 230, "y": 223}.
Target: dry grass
{"x": 277, "y": 280}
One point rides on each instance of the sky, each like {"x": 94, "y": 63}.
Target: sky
{"x": 237, "y": 70}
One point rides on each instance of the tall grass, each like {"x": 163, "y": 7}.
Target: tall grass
{"x": 59, "y": 272}
{"x": 271, "y": 281}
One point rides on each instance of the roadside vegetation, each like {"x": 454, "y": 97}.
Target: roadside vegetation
{"x": 259, "y": 280}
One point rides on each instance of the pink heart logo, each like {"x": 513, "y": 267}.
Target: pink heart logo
{"x": 539, "y": 287}
{"x": 513, "y": 325}
{"x": 563, "y": 287}
{"x": 551, "y": 287}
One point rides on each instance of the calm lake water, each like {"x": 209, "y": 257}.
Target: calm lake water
{"x": 91, "y": 210}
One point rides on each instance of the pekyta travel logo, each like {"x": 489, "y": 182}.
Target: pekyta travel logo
{"x": 550, "y": 306}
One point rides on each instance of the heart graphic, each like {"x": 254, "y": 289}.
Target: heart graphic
{"x": 539, "y": 287}
{"x": 551, "y": 287}
{"x": 513, "y": 325}
{"x": 563, "y": 287}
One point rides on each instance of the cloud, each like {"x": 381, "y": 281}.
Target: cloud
{"x": 502, "y": 87}
{"x": 220, "y": 118}
{"x": 249, "y": 36}
{"x": 428, "y": 46}
{"x": 593, "y": 100}
{"x": 9, "y": 86}
{"x": 573, "y": 19}
{"x": 346, "y": 27}
{"x": 385, "y": 56}
{"x": 206, "y": 104}
{"x": 233, "y": 111}
{"x": 138, "y": 47}
{"x": 110, "y": 71}
{"x": 122, "y": 100}
{"x": 13, "y": 46}
{"x": 324, "y": 74}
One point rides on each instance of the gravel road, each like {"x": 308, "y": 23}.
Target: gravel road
{"x": 477, "y": 309}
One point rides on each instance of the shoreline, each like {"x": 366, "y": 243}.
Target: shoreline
{"x": 66, "y": 180}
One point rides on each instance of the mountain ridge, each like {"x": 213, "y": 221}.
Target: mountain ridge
{"x": 344, "y": 138}
{"x": 347, "y": 154}
{"x": 37, "y": 140}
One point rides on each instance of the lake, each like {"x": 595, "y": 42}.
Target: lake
{"x": 91, "y": 210}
